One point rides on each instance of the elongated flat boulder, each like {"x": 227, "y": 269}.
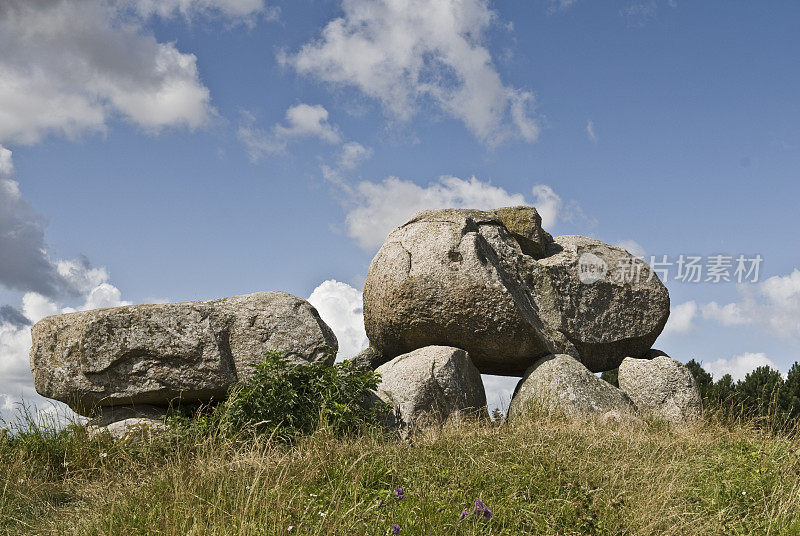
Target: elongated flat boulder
{"x": 156, "y": 354}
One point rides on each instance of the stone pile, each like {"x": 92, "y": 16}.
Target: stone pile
{"x": 451, "y": 294}
{"x": 519, "y": 302}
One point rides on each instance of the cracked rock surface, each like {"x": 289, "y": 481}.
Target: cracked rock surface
{"x": 495, "y": 284}
{"x": 154, "y": 354}
{"x": 432, "y": 384}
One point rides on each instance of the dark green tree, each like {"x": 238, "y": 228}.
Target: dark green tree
{"x": 761, "y": 392}
{"x": 792, "y": 391}
{"x": 704, "y": 380}
{"x": 611, "y": 376}
{"x": 723, "y": 392}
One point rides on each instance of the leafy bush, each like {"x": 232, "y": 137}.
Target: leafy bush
{"x": 288, "y": 400}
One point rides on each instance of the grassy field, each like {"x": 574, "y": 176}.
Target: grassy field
{"x": 544, "y": 476}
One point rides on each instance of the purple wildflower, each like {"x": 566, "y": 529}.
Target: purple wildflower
{"x": 399, "y": 492}
{"x": 487, "y": 513}
{"x": 478, "y": 506}
{"x": 464, "y": 514}
{"x": 395, "y": 529}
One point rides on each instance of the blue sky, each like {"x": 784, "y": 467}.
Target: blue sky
{"x": 192, "y": 149}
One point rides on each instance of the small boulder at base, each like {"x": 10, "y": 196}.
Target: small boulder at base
{"x": 158, "y": 354}
{"x": 561, "y": 384}
{"x": 106, "y": 415}
{"x": 132, "y": 430}
{"x": 661, "y": 387}
{"x": 432, "y": 385}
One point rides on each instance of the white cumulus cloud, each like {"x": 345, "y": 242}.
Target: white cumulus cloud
{"x": 302, "y": 121}
{"x": 379, "y": 207}
{"x": 67, "y": 66}
{"x": 410, "y": 53}
{"x": 681, "y": 318}
{"x": 590, "y": 132}
{"x": 773, "y": 303}
{"x": 739, "y": 365}
{"x": 352, "y": 154}
{"x": 341, "y": 307}
{"x": 237, "y": 10}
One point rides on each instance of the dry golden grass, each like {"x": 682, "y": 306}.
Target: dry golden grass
{"x": 543, "y": 476}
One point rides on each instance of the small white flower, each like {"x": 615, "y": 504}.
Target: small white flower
{"x": 21, "y": 481}
{"x": 290, "y": 528}
{"x": 323, "y": 514}
{"x": 104, "y": 454}
{"x": 744, "y": 493}
{"x": 312, "y": 494}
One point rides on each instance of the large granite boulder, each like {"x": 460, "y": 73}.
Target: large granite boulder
{"x": 497, "y": 285}
{"x": 451, "y": 277}
{"x": 432, "y": 385}
{"x": 609, "y": 303}
{"x": 154, "y": 354}
{"x": 561, "y": 384}
{"x": 661, "y": 387}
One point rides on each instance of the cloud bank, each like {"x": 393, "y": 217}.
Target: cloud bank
{"x": 410, "y": 53}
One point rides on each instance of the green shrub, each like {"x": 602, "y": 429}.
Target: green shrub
{"x": 288, "y": 400}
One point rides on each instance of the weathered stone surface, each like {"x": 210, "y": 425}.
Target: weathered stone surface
{"x": 495, "y": 284}
{"x": 451, "y": 277}
{"x": 152, "y": 354}
{"x": 606, "y": 316}
{"x": 129, "y": 430}
{"x": 661, "y": 387}
{"x": 560, "y": 383}
{"x": 525, "y": 225}
{"x": 369, "y": 358}
{"x": 432, "y": 385}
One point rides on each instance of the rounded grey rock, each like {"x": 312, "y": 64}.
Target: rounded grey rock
{"x": 608, "y": 304}
{"x": 451, "y": 277}
{"x": 560, "y": 383}
{"x": 431, "y": 385}
{"x": 661, "y": 387}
